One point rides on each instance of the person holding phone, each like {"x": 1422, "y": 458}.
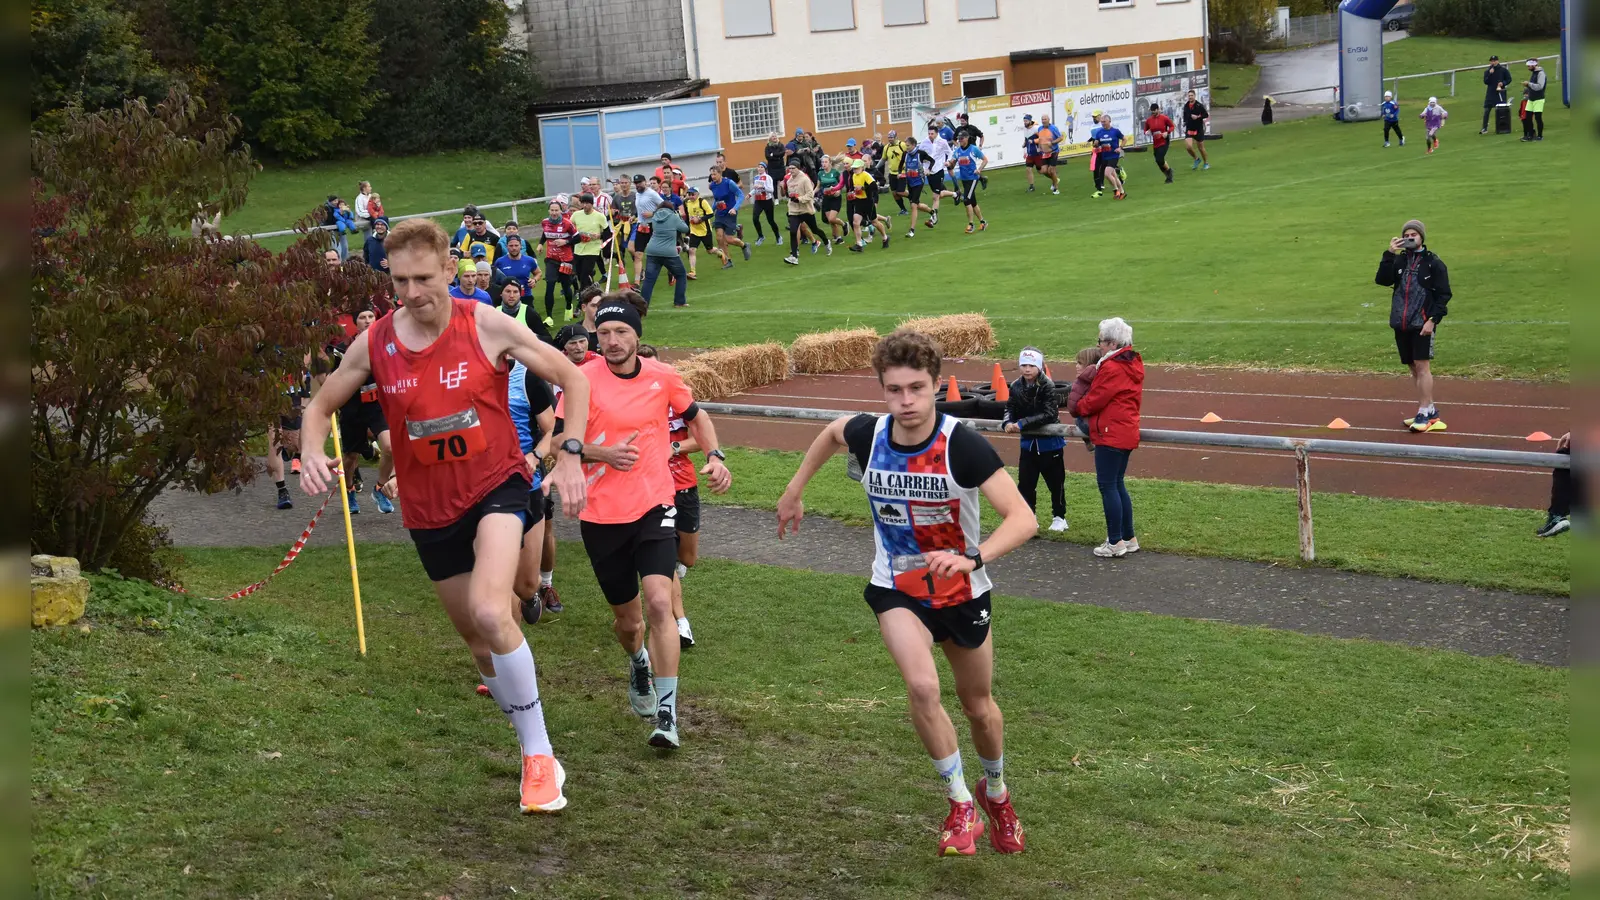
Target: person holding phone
{"x": 1421, "y": 298}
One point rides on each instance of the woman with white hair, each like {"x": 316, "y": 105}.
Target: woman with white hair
{"x": 1112, "y": 407}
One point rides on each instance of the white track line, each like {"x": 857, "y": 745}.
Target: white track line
{"x": 1473, "y": 434}
{"x": 878, "y": 314}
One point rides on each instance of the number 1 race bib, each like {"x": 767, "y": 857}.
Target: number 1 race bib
{"x": 454, "y": 438}
{"x": 913, "y": 578}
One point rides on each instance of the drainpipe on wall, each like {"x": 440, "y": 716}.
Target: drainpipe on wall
{"x": 1205, "y": 30}
{"x": 694, "y": 40}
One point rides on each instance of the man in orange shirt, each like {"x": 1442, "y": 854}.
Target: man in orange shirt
{"x": 629, "y": 524}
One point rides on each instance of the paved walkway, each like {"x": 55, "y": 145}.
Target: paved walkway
{"x": 1313, "y": 601}
{"x": 1298, "y": 74}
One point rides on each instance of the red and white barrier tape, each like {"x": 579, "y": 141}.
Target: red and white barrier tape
{"x": 288, "y": 558}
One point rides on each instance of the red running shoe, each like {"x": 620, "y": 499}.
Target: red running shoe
{"x": 1005, "y": 832}
{"x": 962, "y": 828}
{"x": 483, "y": 690}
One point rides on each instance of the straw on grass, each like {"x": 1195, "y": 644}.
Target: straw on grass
{"x": 733, "y": 370}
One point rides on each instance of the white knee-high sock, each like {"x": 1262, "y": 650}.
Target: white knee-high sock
{"x": 516, "y": 689}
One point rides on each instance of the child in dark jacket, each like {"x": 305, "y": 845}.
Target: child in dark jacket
{"x": 1033, "y": 403}
{"x": 1088, "y": 363}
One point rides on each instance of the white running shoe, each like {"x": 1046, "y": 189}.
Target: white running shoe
{"x": 1132, "y": 544}
{"x": 642, "y": 692}
{"x": 1058, "y": 524}
{"x": 1109, "y": 550}
{"x": 685, "y": 634}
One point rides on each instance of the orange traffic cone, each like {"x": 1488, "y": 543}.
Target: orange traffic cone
{"x": 1338, "y": 423}
{"x": 622, "y": 273}
{"x": 997, "y": 379}
{"x": 1047, "y": 371}
{"x": 953, "y": 393}
{"x": 1002, "y": 393}
{"x": 1210, "y": 417}
{"x": 1539, "y": 436}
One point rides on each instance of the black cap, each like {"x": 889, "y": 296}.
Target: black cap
{"x": 1493, "y": 58}
{"x": 638, "y": 179}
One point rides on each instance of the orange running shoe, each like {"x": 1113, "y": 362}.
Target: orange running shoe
{"x": 1005, "y": 832}
{"x": 542, "y": 778}
{"x": 962, "y": 828}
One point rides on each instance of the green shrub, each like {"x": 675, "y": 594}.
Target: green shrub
{"x": 1506, "y": 20}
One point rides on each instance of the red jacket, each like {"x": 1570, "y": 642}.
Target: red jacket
{"x": 1112, "y": 402}
{"x": 1080, "y": 386}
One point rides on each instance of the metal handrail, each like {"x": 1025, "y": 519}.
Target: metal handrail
{"x": 1302, "y": 448}
{"x": 421, "y": 215}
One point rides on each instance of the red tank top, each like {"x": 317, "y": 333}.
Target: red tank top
{"x": 449, "y": 416}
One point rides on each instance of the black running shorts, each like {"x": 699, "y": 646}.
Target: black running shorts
{"x": 915, "y": 192}
{"x": 641, "y": 239}
{"x": 688, "y": 501}
{"x": 701, "y": 240}
{"x": 897, "y": 184}
{"x": 356, "y": 422}
{"x": 936, "y": 181}
{"x": 1413, "y": 345}
{"x": 447, "y": 552}
{"x": 623, "y": 553}
{"x": 965, "y": 624}
{"x": 831, "y": 203}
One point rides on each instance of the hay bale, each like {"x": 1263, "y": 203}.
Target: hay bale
{"x": 733, "y": 370}
{"x": 966, "y": 334}
{"x": 703, "y": 381}
{"x": 839, "y": 350}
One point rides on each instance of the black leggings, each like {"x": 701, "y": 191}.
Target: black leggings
{"x": 766, "y": 206}
{"x": 586, "y": 266}
{"x": 1528, "y": 121}
{"x": 1101, "y": 164}
{"x": 1161, "y": 158}
{"x": 553, "y": 276}
{"x": 795, "y": 221}
{"x": 1566, "y": 491}
{"x": 1387, "y": 125}
{"x": 1030, "y": 465}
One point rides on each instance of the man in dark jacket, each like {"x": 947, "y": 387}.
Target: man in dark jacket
{"x": 1421, "y": 298}
{"x": 1496, "y": 79}
{"x": 1033, "y": 403}
{"x": 372, "y": 251}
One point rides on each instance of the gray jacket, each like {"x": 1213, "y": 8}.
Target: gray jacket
{"x": 665, "y": 226}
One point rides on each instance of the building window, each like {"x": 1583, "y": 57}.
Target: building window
{"x": 904, "y": 12}
{"x": 746, "y": 18}
{"x": 1106, "y": 3}
{"x": 1119, "y": 69}
{"x": 833, "y": 15}
{"x": 1077, "y": 74}
{"x": 905, "y": 95}
{"x": 753, "y": 118}
{"x": 1174, "y": 64}
{"x": 967, "y": 10}
{"x": 838, "y": 108}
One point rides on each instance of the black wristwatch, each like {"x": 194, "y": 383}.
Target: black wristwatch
{"x": 718, "y": 454}
{"x": 677, "y": 448}
{"x": 572, "y": 446}
{"x": 977, "y": 560}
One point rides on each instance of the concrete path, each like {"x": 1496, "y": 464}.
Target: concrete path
{"x": 1299, "y": 76}
{"x": 1312, "y": 601}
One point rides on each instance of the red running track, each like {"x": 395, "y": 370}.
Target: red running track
{"x": 1493, "y": 414}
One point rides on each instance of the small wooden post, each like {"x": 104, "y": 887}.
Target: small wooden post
{"x": 1302, "y": 483}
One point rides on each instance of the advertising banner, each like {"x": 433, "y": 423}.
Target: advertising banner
{"x": 1000, "y": 120}
{"x": 921, "y": 115}
{"x": 1169, "y": 91}
{"x": 1075, "y": 107}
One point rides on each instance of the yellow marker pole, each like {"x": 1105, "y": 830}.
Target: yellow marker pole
{"x": 349, "y": 538}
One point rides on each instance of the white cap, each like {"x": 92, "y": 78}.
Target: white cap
{"x": 1433, "y": 100}
{"x": 1031, "y": 358}
{"x": 1388, "y": 94}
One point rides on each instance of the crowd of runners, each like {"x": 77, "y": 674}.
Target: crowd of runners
{"x": 495, "y": 425}
{"x": 499, "y": 415}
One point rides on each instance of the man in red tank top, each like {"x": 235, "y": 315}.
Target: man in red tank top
{"x": 441, "y": 369}
{"x": 629, "y": 526}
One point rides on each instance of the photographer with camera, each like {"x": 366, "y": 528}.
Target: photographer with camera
{"x": 1421, "y": 296}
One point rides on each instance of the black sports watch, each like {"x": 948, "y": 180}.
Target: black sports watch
{"x": 718, "y": 454}
{"x": 977, "y": 559}
{"x": 677, "y": 447}
{"x": 572, "y": 446}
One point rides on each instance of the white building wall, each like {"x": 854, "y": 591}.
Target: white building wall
{"x": 793, "y": 50}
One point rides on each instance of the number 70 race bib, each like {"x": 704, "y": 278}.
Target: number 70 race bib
{"x": 447, "y": 439}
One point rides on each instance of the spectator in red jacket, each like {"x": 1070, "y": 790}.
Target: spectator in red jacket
{"x": 1112, "y": 407}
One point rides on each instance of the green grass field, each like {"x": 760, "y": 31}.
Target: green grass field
{"x": 1230, "y": 82}
{"x": 245, "y": 750}
{"x": 1266, "y": 260}
{"x": 1490, "y": 547}
{"x": 1416, "y": 55}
